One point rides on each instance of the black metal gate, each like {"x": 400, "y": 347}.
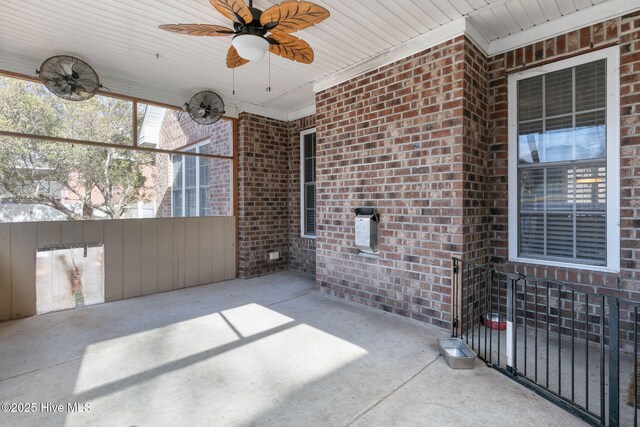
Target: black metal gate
{"x": 576, "y": 348}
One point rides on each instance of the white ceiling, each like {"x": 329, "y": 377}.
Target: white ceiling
{"x": 120, "y": 39}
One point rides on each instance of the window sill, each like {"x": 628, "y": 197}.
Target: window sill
{"x": 363, "y": 254}
{"x": 305, "y": 236}
{"x": 565, "y": 265}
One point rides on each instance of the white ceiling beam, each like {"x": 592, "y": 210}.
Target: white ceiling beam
{"x": 302, "y": 112}
{"x": 246, "y": 107}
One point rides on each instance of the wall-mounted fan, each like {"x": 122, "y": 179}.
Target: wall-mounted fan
{"x": 250, "y": 27}
{"x": 205, "y": 107}
{"x": 69, "y": 78}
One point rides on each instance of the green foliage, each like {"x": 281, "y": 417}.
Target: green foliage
{"x": 95, "y": 179}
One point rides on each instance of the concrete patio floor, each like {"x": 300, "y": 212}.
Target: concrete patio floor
{"x": 263, "y": 351}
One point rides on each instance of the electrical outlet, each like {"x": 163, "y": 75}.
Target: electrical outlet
{"x": 274, "y": 256}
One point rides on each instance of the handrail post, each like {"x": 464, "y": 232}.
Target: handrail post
{"x": 510, "y": 359}
{"x": 455, "y": 297}
{"x": 614, "y": 361}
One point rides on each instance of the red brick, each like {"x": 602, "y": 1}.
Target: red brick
{"x": 630, "y": 141}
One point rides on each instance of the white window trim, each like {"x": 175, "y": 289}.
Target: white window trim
{"x": 171, "y": 180}
{"x": 612, "y": 55}
{"x": 184, "y": 176}
{"x": 302, "y": 208}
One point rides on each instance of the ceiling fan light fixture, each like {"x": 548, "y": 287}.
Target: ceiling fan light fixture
{"x": 257, "y": 31}
{"x": 250, "y": 47}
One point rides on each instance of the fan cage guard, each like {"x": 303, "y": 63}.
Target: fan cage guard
{"x": 63, "y": 74}
{"x": 205, "y": 107}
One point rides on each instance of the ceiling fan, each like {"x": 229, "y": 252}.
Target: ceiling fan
{"x": 250, "y": 27}
{"x": 205, "y": 107}
{"x": 69, "y": 78}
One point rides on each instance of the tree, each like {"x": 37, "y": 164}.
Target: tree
{"x": 105, "y": 180}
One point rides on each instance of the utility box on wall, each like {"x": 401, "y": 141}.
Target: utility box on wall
{"x": 367, "y": 221}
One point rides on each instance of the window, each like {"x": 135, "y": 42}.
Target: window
{"x": 205, "y": 181}
{"x": 190, "y": 184}
{"x": 563, "y": 162}
{"x": 308, "y": 182}
{"x": 201, "y": 185}
{"x": 177, "y": 185}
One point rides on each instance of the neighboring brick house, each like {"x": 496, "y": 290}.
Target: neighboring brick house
{"x": 425, "y": 140}
{"x": 175, "y": 130}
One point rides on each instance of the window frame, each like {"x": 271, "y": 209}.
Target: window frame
{"x": 612, "y": 57}
{"x": 303, "y": 210}
{"x": 192, "y": 150}
{"x": 172, "y": 178}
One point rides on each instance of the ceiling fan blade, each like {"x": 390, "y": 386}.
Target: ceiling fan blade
{"x": 66, "y": 67}
{"x": 88, "y": 83}
{"x": 233, "y": 59}
{"x": 291, "y": 16}
{"x": 198, "y": 29}
{"x": 197, "y": 113}
{"x": 81, "y": 90}
{"x": 233, "y": 9}
{"x": 290, "y": 47}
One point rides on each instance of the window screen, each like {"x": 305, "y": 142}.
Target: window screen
{"x": 177, "y": 185}
{"x": 562, "y": 165}
{"x": 202, "y": 186}
{"x": 190, "y": 185}
{"x": 205, "y": 180}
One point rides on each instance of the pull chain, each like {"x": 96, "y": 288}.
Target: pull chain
{"x": 233, "y": 71}
{"x": 269, "y": 87}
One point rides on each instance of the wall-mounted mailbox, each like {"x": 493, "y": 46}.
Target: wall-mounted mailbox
{"x": 367, "y": 220}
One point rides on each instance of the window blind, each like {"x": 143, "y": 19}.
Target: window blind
{"x": 309, "y": 184}
{"x": 562, "y": 165}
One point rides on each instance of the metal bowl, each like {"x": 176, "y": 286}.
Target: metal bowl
{"x": 495, "y": 321}
{"x": 457, "y": 354}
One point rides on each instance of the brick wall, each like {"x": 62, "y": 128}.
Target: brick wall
{"x": 302, "y": 250}
{"x": 404, "y": 139}
{"x": 424, "y": 140}
{"x": 178, "y": 131}
{"x": 475, "y": 228}
{"x": 221, "y": 184}
{"x": 263, "y": 203}
{"x": 625, "y": 31}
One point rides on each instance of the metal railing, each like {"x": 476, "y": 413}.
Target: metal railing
{"x": 567, "y": 344}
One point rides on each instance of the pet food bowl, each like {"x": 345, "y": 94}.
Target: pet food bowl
{"x": 495, "y": 321}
